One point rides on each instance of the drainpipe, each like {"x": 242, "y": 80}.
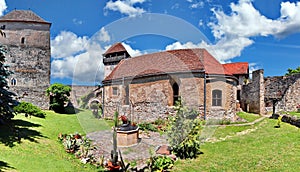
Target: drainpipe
{"x": 103, "y": 92}
{"x": 204, "y": 96}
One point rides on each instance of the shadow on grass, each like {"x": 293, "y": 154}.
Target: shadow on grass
{"x": 5, "y": 166}
{"x": 71, "y": 110}
{"x": 17, "y": 131}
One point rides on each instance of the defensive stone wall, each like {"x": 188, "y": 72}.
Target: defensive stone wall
{"x": 80, "y": 91}
{"x": 285, "y": 90}
{"x": 28, "y": 55}
{"x": 253, "y": 94}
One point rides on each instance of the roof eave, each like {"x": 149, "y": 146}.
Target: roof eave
{"x": 106, "y": 82}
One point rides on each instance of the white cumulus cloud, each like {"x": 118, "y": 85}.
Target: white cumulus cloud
{"x": 84, "y": 64}
{"x": 235, "y": 31}
{"x": 126, "y": 7}
{"x": 3, "y": 7}
{"x": 67, "y": 44}
{"x": 103, "y": 35}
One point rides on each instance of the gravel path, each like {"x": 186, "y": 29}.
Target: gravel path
{"x": 138, "y": 153}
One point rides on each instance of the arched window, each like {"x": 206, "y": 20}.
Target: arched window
{"x": 217, "y": 98}
{"x": 13, "y": 81}
{"x": 175, "y": 88}
{"x": 23, "y": 40}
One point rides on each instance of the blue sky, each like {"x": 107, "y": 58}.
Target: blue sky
{"x": 262, "y": 32}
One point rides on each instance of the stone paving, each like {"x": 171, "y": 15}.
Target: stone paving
{"x": 139, "y": 153}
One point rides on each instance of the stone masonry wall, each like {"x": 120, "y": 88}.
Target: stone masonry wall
{"x": 28, "y": 56}
{"x": 286, "y": 89}
{"x": 228, "y": 88}
{"x": 252, "y": 94}
{"x": 152, "y": 99}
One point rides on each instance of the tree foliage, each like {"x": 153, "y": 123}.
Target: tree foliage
{"x": 292, "y": 71}
{"x": 59, "y": 96}
{"x": 184, "y": 132}
{"x": 7, "y": 100}
{"x": 29, "y": 109}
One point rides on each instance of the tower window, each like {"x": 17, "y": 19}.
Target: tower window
{"x": 13, "y": 81}
{"x": 217, "y": 98}
{"x": 23, "y": 40}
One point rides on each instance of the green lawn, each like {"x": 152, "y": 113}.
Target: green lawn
{"x": 39, "y": 149}
{"x": 249, "y": 117}
{"x": 265, "y": 149}
{"x": 295, "y": 114}
{"x": 90, "y": 124}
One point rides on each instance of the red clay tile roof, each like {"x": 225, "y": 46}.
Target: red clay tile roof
{"x": 184, "y": 60}
{"x": 236, "y": 68}
{"x": 22, "y": 15}
{"x": 117, "y": 47}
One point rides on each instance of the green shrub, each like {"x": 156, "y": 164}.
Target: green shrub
{"x": 160, "y": 163}
{"x": 146, "y": 126}
{"x": 29, "y": 109}
{"x": 184, "y": 132}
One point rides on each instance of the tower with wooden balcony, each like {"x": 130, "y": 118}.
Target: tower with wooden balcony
{"x": 113, "y": 56}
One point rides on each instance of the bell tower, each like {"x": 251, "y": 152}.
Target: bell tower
{"x": 113, "y": 56}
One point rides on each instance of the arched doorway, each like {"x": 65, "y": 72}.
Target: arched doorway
{"x": 175, "y": 88}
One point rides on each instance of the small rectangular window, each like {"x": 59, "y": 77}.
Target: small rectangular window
{"x": 115, "y": 91}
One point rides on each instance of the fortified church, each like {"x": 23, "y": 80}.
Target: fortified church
{"x": 149, "y": 85}
{"x": 145, "y": 87}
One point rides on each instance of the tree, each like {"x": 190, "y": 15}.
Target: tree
{"x": 59, "y": 96}
{"x": 184, "y": 130}
{"x": 292, "y": 71}
{"x": 7, "y": 100}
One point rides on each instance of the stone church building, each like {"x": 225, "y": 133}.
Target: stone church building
{"x": 146, "y": 87}
{"x": 28, "y": 54}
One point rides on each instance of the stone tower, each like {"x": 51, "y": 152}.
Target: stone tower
{"x": 113, "y": 56}
{"x": 28, "y": 54}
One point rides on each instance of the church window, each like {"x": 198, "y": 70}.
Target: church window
{"x": 23, "y": 40}
{"x": 13, "y": 81}
{"x": 115, "y": 91}
{"x": 127, "y": 95}
{"x": 175, "y": 88}
{"x": 217, "y": 98}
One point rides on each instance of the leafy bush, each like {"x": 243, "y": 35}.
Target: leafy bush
{"x": 183, "y": 133}
{"x": 59, "y": 96}
{"x": 146, "y": 126}
{"x": 29, "y": 109}
{"x": 160, "y": 163}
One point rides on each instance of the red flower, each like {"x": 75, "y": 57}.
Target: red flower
{"x": 124, "y": 119}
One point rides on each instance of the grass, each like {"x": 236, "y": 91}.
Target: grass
{"x": 249, "y": 117}
{"x": 265, "y": 149}
{"x": 295, "y": 114}
{"x": 39, "y": 149}
{"x": 90, "y": 124}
